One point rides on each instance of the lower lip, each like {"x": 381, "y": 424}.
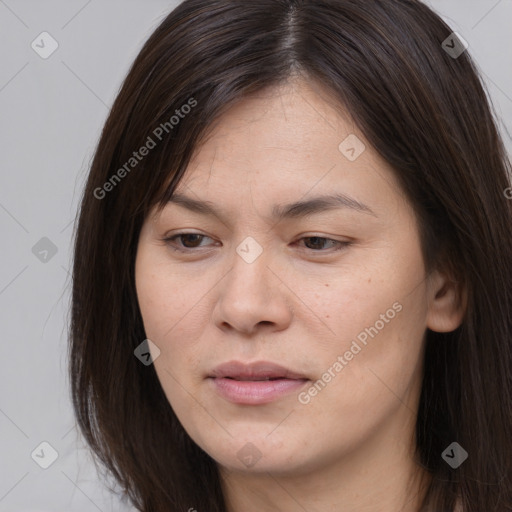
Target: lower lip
{"x": 255, "y": 392}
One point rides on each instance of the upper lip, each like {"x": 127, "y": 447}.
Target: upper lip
{"x": 259, "y": 370}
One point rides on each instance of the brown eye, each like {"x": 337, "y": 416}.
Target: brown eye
{"x": 190, "y": 238}
{"x": 316, "y": 243}
{"x": 189, "y": 241}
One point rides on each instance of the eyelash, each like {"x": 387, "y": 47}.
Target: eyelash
{"x": 170, "y": 241}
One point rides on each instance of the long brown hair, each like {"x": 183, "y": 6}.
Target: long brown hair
{"x": 425, "y": 111}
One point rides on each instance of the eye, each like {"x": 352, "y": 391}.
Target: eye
{"x": 190, "y": 241}
{"x": 317, "y": 241}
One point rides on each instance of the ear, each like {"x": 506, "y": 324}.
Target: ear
{"x": 447, "y": 302}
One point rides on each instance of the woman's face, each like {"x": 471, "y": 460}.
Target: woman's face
{"x": 334, "y": 293}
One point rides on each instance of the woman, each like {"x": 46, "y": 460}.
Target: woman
{"x": 336, "y": 334}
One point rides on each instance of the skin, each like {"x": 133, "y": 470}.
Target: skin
{"x": 300, "y": 304}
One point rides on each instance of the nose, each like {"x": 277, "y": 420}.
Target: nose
{"x": 253, "y": 296}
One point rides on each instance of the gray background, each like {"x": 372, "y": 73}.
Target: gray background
{"x": 52, "y": 111}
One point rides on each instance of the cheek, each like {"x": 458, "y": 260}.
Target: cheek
{"x": 154, "y": 302}
{"x": 169, "y": 305}
{"x": 163, "y": 295}
{"x": 165, "y": 319}
{"x": 348, "y": 305}
{"x": 380, "y": 356}
{"x": 377, "y": 321}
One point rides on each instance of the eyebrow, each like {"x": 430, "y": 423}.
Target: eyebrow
{"x": 294, "y": 210}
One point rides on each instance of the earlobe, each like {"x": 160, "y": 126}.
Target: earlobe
{"x": 447, "y": 302}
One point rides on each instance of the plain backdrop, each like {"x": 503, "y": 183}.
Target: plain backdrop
{"x": 52, "y": 111}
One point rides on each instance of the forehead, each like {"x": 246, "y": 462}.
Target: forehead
{"x": 291, "y": 140}
{"x": 273, "y": 151}
{"x": 297, "y": 117}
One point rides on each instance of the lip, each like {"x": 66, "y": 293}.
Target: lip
{"x": 254, "y": 371}
{"x": 249, "y": 383}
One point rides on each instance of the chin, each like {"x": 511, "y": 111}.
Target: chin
{"x": 258, "y": 454}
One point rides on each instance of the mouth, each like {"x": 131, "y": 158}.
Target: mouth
{"x": 260, "y": 370}
{"x": 254, "y": 379}
{"x": 256, "y": 383}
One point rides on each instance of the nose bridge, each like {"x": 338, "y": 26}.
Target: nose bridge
{"x": 251, "y": 293}
{"x": 250, "y": 264}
